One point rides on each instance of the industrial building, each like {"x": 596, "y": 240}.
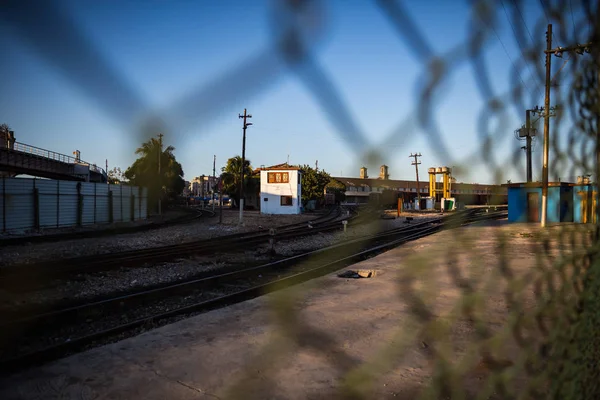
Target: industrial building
{"x": 567, "y": 202}
{"x": 360, "y": 190}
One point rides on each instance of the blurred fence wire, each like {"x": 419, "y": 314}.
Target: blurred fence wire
{"x": 552, "y": 307}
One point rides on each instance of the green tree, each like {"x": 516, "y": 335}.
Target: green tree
{"x": 116, "y": 176}
{"x": 167, "y": 185}
{"x": 313, "y": 183}
{"x": 337, "y": 188}
{"x": 232, "y": 175}
{"x": 5, "y": 135}
{"x": 4, "y": 129}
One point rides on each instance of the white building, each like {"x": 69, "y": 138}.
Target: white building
{"x": 280, "y": 190}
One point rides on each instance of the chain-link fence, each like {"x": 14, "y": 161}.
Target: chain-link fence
{"x": 548, "y": 344}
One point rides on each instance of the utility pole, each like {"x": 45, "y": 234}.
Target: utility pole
{"x": 212, "y": 196}
{"x": 160, "y": 136}
{"x": 246, "y": 125}
{"x": 528, "y": 145}
{"x": 220, "y": 187}
{"x": 528, "y": 133}
{"x": 317, "y": 166}
{"x": 546, "y": 129}
{"x": 416, "y": 164}
{"x": 579, "y": 49}
{"x": 107, "y": 181}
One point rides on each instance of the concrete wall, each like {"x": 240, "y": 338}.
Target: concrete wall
{"x": 270, "y": 193}
{"x": 27, "y": 204}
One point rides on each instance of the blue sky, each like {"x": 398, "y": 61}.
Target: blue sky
{"x": 164, "y": 51}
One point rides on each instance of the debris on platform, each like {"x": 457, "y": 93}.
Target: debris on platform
{"x": 361, "y": 273}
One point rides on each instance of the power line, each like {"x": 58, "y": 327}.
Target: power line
{"x": 523, "y": 19}
{"x": 530, "y": 37}
{"x": 511, "y": 60}
{"x": 546, "y": 14}
{"x": 573, "y": 20}
{"x": 519, "y": 42}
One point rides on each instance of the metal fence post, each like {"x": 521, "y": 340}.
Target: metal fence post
{"x": 3, "y": 204}
{"x": 110, "y": 206}
{"x": 132, "y": 207}
{"x": 57, "y": 203}
{"x": 121, "y": 196}
{"x": 36, "y": 207}
{"x": 140, "y": 195}
{"x": 95, "y": 195}
{"x": 79, "y": 205}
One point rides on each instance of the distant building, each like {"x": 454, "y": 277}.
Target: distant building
{"x": 186, "y": 190}
{"x": 280, "y": 190}
{"x": 363, "y": 173}
{"x": 360, "y": 190}
{"x": 202, "y": 186}
{"x": 383, "y": 172}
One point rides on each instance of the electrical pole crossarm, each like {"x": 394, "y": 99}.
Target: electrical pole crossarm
{"x": 578, "y": 48}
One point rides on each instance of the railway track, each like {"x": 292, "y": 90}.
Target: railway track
{"x": 28, "y": 276}
{"x": 193, "y": 215}
{"x": 35, "y": 338}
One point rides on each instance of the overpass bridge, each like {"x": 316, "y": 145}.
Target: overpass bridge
{"x": 20, "y": 158}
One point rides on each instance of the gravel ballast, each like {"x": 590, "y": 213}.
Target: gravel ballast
{"x": 204, "y": 228}
{"x": 89, "y": 286}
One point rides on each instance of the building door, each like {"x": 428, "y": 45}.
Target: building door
{"x": 533, "y": 207}
{"x": 587, "y": 206}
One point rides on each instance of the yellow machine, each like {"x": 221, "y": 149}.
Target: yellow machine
{"x": 433, "y": 190}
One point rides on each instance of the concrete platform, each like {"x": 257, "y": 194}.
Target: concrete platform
{"x": 339, "y": 324}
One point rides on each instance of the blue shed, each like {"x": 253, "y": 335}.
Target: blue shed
{"x": 585, "y": 198}
{"x": 525, "y": 202}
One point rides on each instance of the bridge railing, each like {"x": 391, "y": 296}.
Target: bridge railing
{"x": 52, "y": 155}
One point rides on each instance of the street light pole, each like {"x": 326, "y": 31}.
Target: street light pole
{"x": 246, "y": 125}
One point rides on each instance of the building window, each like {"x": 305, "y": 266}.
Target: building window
{"x": 278, "y": 177}
{"x": 286, "y": 200}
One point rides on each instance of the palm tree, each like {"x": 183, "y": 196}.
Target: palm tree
{"x": 232, "y": 174}
{"x": 145, "y": 170}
